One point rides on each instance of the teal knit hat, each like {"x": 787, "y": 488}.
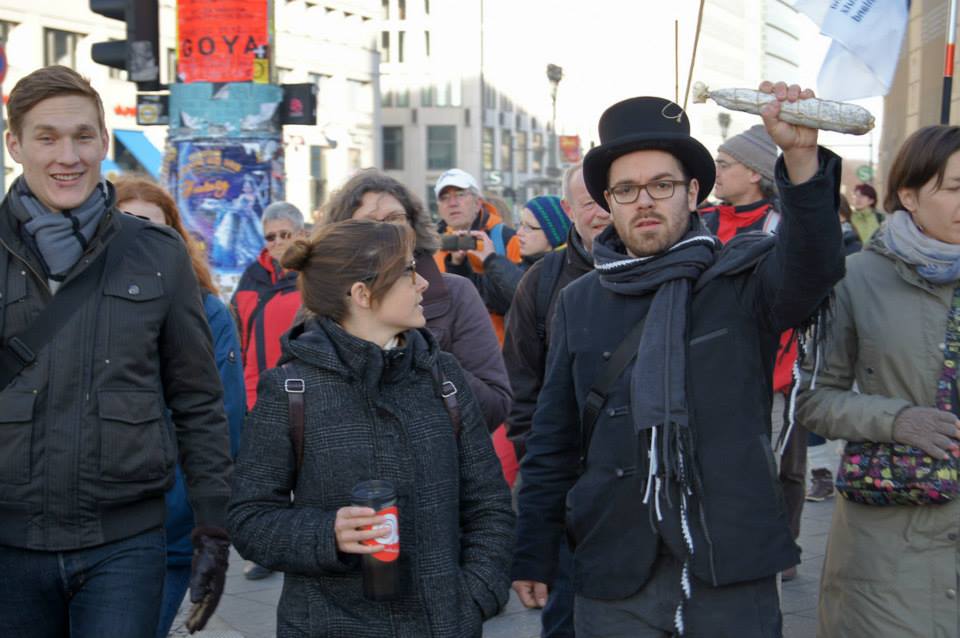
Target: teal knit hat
{"x": 553, "y": 220}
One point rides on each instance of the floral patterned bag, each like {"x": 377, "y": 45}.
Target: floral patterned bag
{"x": 894, "y": 474}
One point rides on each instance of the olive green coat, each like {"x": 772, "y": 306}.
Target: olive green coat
{"x": 889, "y": 572}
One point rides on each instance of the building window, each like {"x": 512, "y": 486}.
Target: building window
{"x": 426, "y": 7}
{"x": 386, "y": 9}
{"x": 506, "y": 150}
{"x": 537, "y": 164}
{"x": 441, "y": 147}
{"x": 522, "y": 165}
{"x": 403, "y": 98}
{"x": 426, "y": 43}
{"x": 322, "y": 82}
{"x": 400, "y": 42}
{"x": 402, "y": 9}
{"x": 5, "y": 29}
{"x": 489, "y": 97}
{"x": 60, "y": 47}
{"x": 359, "y": 96}
{"x": 393, "y": 148}
{"x": 431, "y": 200}
{"x": 354, "y": 158}
{"x": 384, "y": 46}
{"x": 488, "y": 149}
{"x": 318, "y": 177}
{"x": 386, "y": 98}
{"x": 506, "y": 104}
{"x": 428, "y": 95}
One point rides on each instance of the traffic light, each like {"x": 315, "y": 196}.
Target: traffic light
{"x": 139, "y": 54}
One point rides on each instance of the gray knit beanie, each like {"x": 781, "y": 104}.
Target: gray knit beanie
{"x": 754, "y": 149}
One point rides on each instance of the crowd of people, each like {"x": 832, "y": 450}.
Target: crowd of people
{"x": 609, "y": 409}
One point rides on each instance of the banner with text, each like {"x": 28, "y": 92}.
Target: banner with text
{"x": 223, "y": 41}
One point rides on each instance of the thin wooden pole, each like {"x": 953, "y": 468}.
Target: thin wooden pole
{"x": 693, "y": 58}
{"x": 676, "y": 60}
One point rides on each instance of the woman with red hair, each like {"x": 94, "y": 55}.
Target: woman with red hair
{"x": 142, "y": 197}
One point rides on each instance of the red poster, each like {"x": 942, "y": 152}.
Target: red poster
{"x": 570, "y": 148}
{"x": 221, "y": 41}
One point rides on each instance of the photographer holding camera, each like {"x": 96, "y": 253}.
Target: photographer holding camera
{"x": 463, "y": 213}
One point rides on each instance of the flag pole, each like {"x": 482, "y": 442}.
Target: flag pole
{"x": 948, "y": 65}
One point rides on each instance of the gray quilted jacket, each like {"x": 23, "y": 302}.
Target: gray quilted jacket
{"x": 372, "y": 414}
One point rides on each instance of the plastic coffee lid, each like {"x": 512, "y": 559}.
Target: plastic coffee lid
{"x": 373, "y": 491}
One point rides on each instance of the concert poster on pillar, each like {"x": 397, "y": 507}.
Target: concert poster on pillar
{"x": 222, "y": 186}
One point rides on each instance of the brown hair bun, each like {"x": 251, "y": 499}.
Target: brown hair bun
{"x": 297, "y": 256}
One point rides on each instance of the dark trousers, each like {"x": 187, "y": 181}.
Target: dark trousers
{"x": 111, "y": 590}
{"x": 793, "y": 476}
{"x": 556, "y": 618}
{"x": 175, "y": 586}
{"x": 741, "y": 610}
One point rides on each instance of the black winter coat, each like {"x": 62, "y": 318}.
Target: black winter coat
{"x": 524, "y": 351}
{"x": 373, "y": 414}
{"x": 85, "y": 452}
{"x": 734, "y": 327}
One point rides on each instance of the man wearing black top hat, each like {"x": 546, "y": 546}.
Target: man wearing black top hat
{"x": 663, "y": 475}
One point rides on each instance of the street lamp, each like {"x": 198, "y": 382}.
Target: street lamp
{"x": 554, "y": 75}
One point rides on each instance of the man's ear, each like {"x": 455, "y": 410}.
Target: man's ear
{"x": 693, "y": 189}
{"x": 755, "y": 177}
{"x": 566, "y": 208}
{"x": 13, "y": 146}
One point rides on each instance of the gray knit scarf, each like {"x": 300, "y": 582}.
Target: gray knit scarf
{"x": 658, "y": 397}
{"x": 936, "y": 261}
{"x": 61, "y": 238}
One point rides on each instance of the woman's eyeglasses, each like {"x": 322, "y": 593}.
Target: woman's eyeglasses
{"x": 410, "y": 270}
{"x": 283, "y": 234}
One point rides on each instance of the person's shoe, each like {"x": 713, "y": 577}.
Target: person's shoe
{"x": 821, "y": 486}
{"x": 788, "y": 574}
{"x": 252, "y": 571}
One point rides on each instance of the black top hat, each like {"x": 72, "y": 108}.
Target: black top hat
{"x": 642, "y": 123}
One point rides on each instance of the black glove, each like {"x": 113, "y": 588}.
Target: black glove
{"x": 211, "y": 554}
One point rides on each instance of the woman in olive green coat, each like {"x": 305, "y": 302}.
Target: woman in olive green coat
{"x": 892, "y": 571}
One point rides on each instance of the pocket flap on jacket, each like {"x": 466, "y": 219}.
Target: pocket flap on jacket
{"x": 129, "y": 406}
{"x": 134, "y": 286}
{"x": 16, "y": 407}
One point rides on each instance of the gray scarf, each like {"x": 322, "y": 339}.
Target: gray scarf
{"x": 60, "y": 238}
{"x": 936, "y": 261}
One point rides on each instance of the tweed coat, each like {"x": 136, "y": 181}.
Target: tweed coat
{"x": 889, "y": 572}
{"x": 373, "y": 414}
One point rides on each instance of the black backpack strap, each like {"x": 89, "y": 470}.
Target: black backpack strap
{"x": 295, "y": 388}
{"x": 549, "y": 274}
{"x": 448, "y": 392}
{"x": 21, "y": 350}
{"x": 597, "y": 396}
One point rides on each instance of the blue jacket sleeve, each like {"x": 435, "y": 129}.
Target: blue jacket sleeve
{"x": 226, "y": 350}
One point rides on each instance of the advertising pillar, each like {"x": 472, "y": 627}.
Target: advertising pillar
{"x": 224, "y": 156}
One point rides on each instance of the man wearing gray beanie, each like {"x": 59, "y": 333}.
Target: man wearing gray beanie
{"x": 744, "y": 185}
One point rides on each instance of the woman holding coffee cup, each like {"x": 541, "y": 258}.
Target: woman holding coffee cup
{"x": 395, "y": 463}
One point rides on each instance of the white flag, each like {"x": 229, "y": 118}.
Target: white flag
{"x": 863, "y": 56}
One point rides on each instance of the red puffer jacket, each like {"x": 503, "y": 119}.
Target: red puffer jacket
{"x": 265, "y": 302}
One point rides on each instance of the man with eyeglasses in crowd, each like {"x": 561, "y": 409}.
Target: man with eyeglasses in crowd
{"x": 650, "y": 444}
{"x": 462, "y": 210}
{"x": 525, "y": 354}
{"x": 265, "y": 304}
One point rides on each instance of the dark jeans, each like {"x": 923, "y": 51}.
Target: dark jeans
{"x": 741, "y": 610}
{"x": 174, "y": 587}
{"x": 557, "y": 616}
{"x": 111, "y": 590}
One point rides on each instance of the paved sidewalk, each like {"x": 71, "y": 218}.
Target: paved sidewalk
{"x": 248, "y": 608}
